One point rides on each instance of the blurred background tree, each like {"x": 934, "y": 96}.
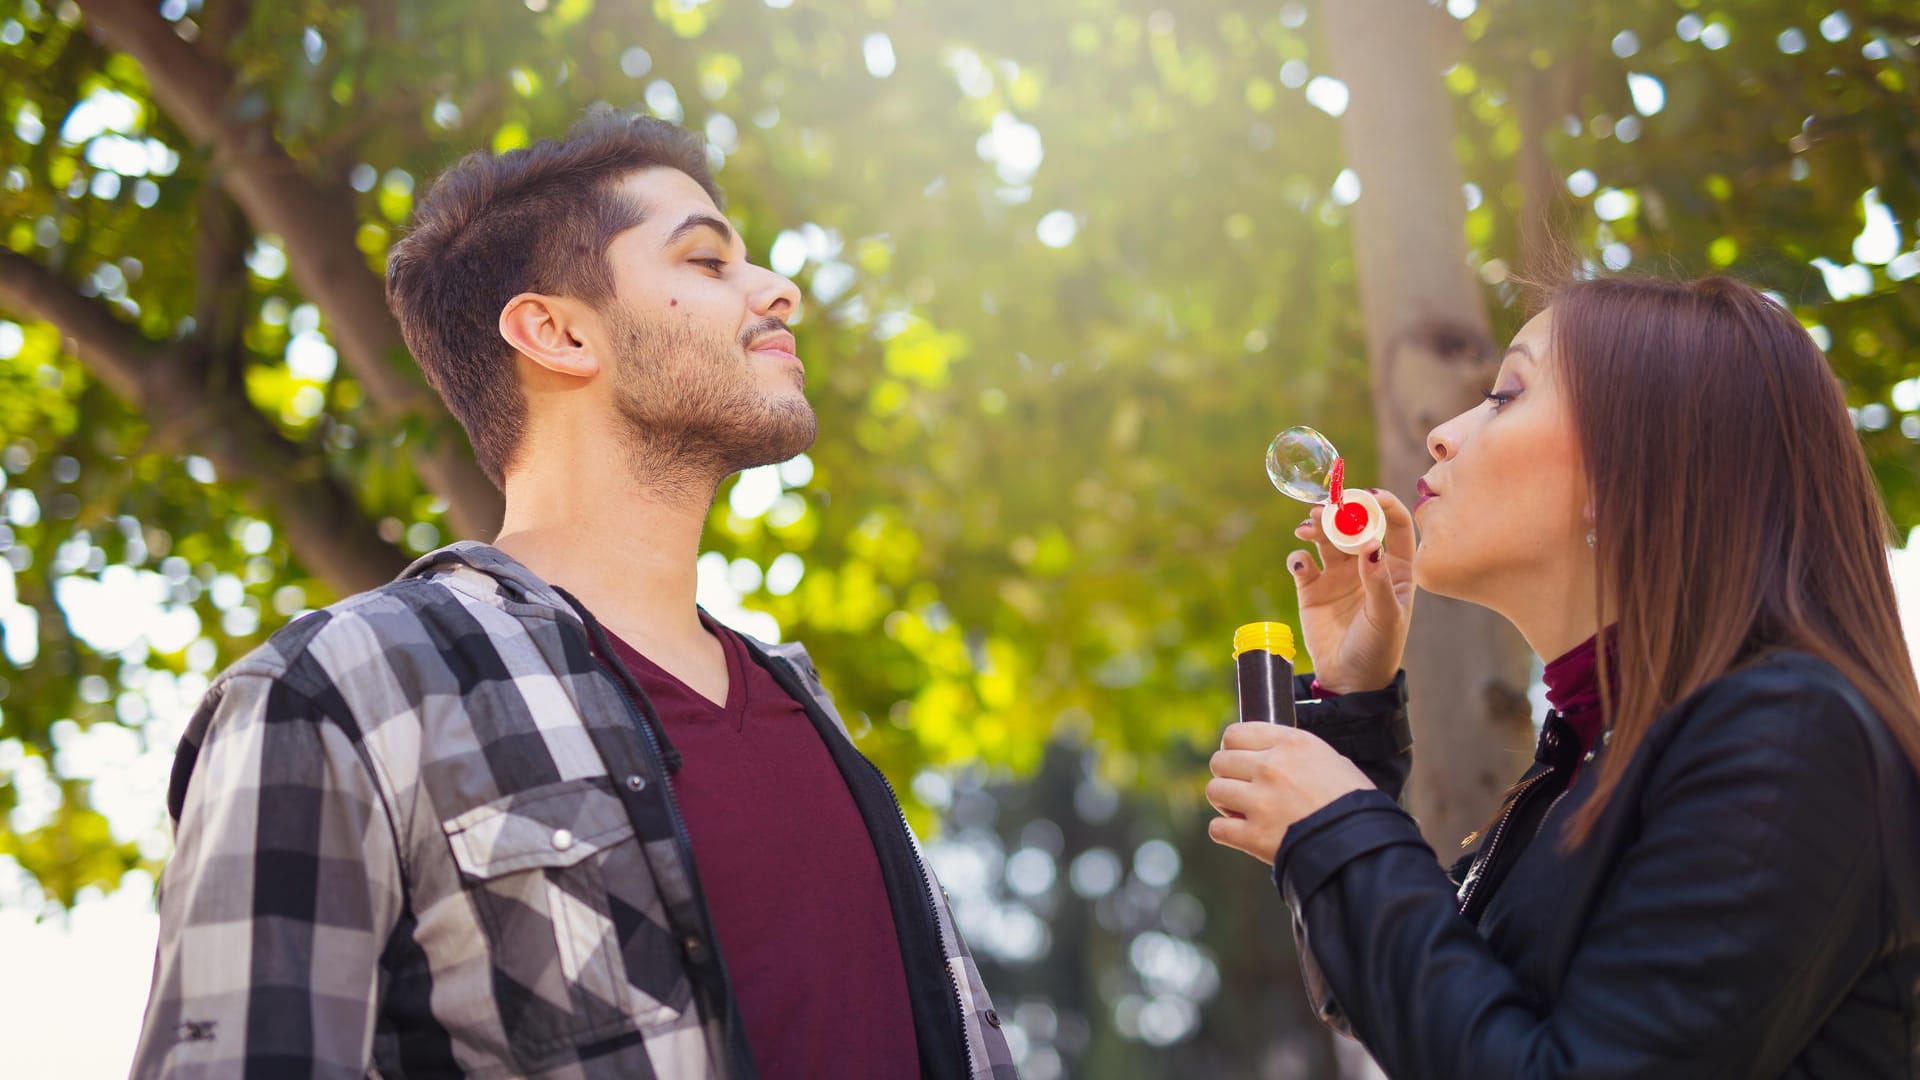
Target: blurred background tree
{"x": 1068, "y": 263}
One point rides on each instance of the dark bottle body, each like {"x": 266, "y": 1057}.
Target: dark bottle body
{"x": 1266, "y": 687}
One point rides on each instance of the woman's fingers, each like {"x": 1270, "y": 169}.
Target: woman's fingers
{"x": 1240, "y": 835}
{"x": 1255, "y": 735}
{"x": 1229, "y": 796}
{"x": 1330, "y": 556}
{"x": 1304, "y": 569}
{"x": 1399, "y": 522}
{"x": 1376, "y": 581}
{"x": 1235, "y": 764}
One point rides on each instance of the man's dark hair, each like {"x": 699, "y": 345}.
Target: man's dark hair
{"x": 537, "y": 219}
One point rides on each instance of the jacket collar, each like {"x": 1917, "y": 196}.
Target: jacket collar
{"x": 523, "y": 585}
{"x": 506, "y": 571}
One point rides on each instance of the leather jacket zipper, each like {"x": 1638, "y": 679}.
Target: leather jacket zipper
{"x": 1499, "y": 832}
{"x": 1548, "y": 816}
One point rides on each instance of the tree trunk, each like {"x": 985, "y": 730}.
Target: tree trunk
{"x": 1431, "y": 355}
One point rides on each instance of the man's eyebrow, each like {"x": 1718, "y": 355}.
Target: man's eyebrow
{"x": 700, "y": 221}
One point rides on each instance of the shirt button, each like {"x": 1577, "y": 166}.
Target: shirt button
{"x": 993, "y": 1017}
{"x": 693, "y": 946}
{"x": 562, "y": 839}
{"x": 636, "y": 782}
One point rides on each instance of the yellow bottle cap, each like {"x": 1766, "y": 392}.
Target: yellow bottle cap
{"x": 1273, "y": 637}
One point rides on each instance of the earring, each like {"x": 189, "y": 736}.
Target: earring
{"x": 1589, "y": 537}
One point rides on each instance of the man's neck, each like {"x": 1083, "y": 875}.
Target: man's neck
{"x": 628, "y": 553}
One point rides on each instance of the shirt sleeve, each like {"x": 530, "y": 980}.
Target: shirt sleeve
{"x": 279, "y": 898}
{"x": 1715, "y": 949}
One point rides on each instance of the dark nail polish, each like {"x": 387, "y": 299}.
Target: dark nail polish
{"x": 1375, "y": 557}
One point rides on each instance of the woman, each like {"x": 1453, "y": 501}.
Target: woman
{"x": 1713, "y": 867}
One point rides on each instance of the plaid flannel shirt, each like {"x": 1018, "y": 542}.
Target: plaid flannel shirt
{"x": 427, "y": 832}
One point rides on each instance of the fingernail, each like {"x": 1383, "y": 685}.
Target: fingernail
{"x": 1375, "y": 557}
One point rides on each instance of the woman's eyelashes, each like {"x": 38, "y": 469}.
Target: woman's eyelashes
{"x": 1498, "y": 398}
{"x": 716, "y": 265}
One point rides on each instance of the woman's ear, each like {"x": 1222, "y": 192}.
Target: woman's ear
{"x": 547, "y": 331}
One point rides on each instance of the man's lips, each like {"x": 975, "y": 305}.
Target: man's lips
{"x": 1425, "y": 494}
{"x": 780, "y": 344}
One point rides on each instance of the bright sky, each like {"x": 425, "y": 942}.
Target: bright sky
{"x": 77, "y": 1015}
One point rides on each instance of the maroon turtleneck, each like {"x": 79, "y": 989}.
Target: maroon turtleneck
{"x": 1573, "y": 689}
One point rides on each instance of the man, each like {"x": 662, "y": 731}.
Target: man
{"x": 527, "y": 811}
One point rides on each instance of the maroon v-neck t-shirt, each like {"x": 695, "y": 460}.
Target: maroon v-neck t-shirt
{"x": 789, "y": 873}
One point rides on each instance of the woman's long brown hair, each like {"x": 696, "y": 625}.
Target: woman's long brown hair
{"x": 1734, "y": 510}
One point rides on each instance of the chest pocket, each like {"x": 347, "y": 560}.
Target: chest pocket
{"x": 573, "y": 923}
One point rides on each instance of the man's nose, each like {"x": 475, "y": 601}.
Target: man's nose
{"x": 776, "y": 295}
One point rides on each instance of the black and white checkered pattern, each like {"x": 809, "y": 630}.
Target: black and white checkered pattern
{"x": 421, "y": 833}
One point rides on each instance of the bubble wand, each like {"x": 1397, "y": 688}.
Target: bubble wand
{"x": 1303, "y": 465}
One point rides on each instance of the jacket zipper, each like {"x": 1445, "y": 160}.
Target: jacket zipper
{"x": 1568, "y": 790}
{"x": 1494, "y": 837}
{"x": 1548, "y": 816}
{"x": 926, "y": 894}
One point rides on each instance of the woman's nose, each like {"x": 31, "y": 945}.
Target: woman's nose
{"x": 1445, "y": 441}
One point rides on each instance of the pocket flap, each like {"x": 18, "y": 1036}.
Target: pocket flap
{"x": 549, "y": 826}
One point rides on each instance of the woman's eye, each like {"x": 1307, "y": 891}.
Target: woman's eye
{"x": 715, "y": 265}
{"x": 1499, "y": 398}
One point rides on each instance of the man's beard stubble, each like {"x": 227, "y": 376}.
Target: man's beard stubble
{"x": 693, "y": 410}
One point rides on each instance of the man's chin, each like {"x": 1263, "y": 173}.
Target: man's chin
{"x": 790, "y": 432}
{"x": 803, "y": 437}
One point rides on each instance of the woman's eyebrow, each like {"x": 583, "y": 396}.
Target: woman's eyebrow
{"x": 1516, "y": 347}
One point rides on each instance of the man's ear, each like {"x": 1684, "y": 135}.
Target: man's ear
{"x": 548, "y": 331}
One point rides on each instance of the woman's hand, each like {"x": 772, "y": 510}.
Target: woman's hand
{"x": 1355, "y": 609}
{"x": 1266, "y": 777}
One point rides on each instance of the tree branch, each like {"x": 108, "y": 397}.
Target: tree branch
{"x": 316, "y": 225}
{"x": 322, "y": 522}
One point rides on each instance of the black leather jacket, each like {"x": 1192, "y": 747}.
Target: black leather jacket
{"x": 1748, "y": 905}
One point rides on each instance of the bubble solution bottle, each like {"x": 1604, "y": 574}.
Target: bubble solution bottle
{"x": 1263, "y": 663}
{"x": 1305, "y": 466}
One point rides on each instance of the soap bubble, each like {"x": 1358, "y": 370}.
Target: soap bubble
{"x": 1299, "y": 461}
